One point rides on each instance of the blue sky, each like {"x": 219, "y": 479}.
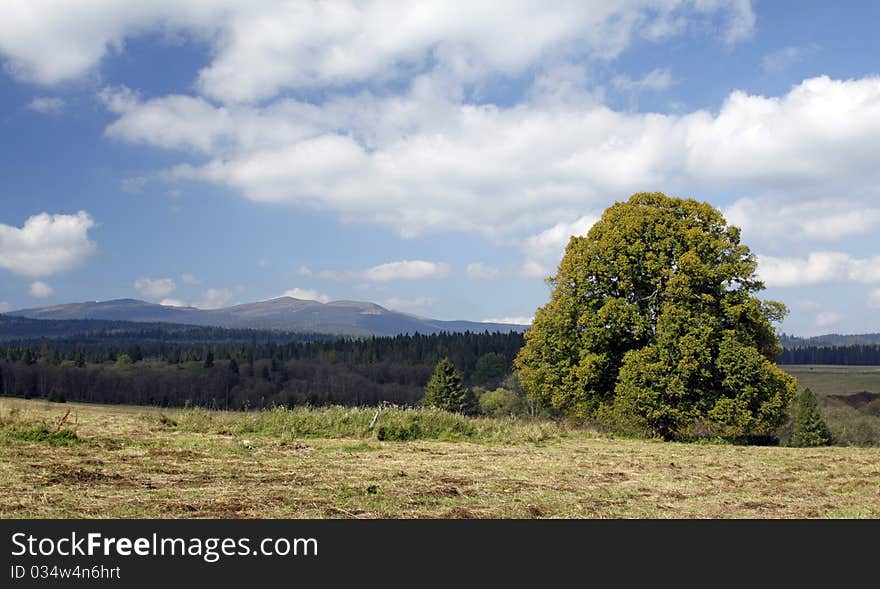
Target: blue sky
{"x": 431, "y": 157}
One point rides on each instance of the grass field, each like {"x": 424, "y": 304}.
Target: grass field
{"x": 110, "y": 461}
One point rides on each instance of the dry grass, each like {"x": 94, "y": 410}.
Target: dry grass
{"x": 130, "y": 462}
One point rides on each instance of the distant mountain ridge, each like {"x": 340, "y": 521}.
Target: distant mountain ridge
{"x": 356, "y": 318}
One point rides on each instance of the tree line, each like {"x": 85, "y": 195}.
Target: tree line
{"x": 235, "y": 375}
{"x": 853, "y": 355}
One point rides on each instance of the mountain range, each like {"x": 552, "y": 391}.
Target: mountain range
{"x": 285, "y": 313}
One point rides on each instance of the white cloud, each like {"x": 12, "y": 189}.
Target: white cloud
{"x": 818, "y": 268}
{"x": 47, "y": 105}
{"x": 828, "y": 319}
{"x": 406, "y": 270}
{"x": 157, "y": 288}
{"x": 304, "y": 271}
{"x": 190, "y": 279}
{"x": 874, "y": 299}
{"x": 133, "y": 185}
{"x": 46, "y": 244}
{"x": 777, "y": 61}
{"x": 214, "y": 298}
{"x": 402, "y": 270}
{"x": 518, "y": 320}
{"x": 427, "y": 160}
{"x": 809, "y": 305}
{"x": 742, "y": 20}
{"x": 4, "y": 307}
{"x": 544, "y": 250}
{"x": 480, "y": 271}
{"x": 307, "y": 294}
{"x": 656, "y": 80}
{"x": 262, "y": 47}
{"x": 173, "y": 303}
{"x": 41, "y": 290}
{"x": 769, "y": 221}
{"x": 263, "y": 263}
{"x": 414, "y": 304}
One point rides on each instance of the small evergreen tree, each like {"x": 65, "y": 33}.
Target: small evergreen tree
{"x": 444, "y": 390}
{"x": 809, "y": 428}
{"x": 209, "y": 359}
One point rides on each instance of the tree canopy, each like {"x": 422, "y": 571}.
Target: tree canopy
{"x": 653, "y": 323}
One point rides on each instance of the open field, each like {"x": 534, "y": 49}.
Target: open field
{"x": 848, "y": 397}
{"x": 140, "y": 462}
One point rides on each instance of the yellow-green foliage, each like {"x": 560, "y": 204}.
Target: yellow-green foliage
{"x": 652, "y": 320}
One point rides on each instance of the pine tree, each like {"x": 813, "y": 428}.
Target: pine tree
{"x": 444, "y": 390}
{"x": 809, "y": 428}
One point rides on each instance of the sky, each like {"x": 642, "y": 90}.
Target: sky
{"x": 432, "y": 157}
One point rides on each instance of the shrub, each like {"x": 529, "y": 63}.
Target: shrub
{"x": 501, "y": 403}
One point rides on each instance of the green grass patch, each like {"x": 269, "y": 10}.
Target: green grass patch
{"x": 392, "y": 424}
{"x": 15, "y": 427}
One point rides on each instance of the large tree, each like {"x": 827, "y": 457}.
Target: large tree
{"x": 653, "y": 320}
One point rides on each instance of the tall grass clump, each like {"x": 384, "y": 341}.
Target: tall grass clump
{"x": 391, "y": 424}
{"x": 16, "y": 427}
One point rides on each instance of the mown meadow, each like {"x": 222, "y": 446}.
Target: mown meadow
{"x": 68, "y": 460}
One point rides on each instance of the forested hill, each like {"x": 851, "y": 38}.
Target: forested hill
{"x": 346, "y": 318}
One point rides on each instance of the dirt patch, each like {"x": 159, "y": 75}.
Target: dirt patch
{"x": 459, "y": 513}
{"x": 172, "y": 453}
{"x": 441, "y": 491}
{"x": 536, "y": 512}
{"x": 865, "y": 401}
{"x": 67, "y": 475}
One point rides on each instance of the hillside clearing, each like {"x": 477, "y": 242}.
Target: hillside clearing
{"x": 136, "y": 462}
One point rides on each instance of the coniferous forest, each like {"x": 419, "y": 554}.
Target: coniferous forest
{"x": 212, "y": 367}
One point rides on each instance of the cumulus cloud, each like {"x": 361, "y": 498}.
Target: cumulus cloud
{"x": 770, "y": 221}
{"x": 41, "y": 290}
{"x": 657, "y": 79}
{"x": 190, "y": 279}
{"x": 173, "y": 303}
{"x": 157, "y": 288}
{"x": 480, "y": 271}
{"x": 779, "y": 60}
{"x": 828, "y": 319}
{"x": 518, "y": 320}
{"x": 4, "y": 307}
{"x": 262, "y": 47}
{"x": 414, "y": 304}
{"x": 214, "y": 298}
{"x": 307, "y": 294}
{"x": 402, "y": 270}
{"x": 46, "y": 244}
{"x": 426, "y": 159}
{"x": 818, "y": 268}
{"x": 544, "y": 250}
{"x": 406, "y": 270}
{"x": 47, "y": 105}
{"x": 133, "y": 185}
{"x": 874, "y": 299}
